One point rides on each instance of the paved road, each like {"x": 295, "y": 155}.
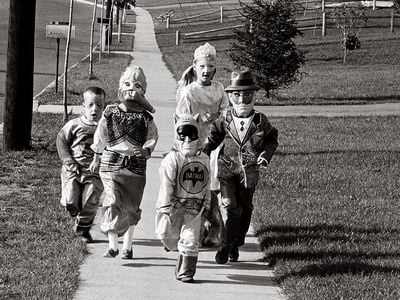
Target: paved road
{"x": 45, "y": 49}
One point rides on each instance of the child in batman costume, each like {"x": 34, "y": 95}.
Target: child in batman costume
{"x": 183, "y": 197}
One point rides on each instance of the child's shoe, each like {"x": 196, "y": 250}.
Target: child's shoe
{"x": 111, "y": 253}
{"x": 127, "y": 254}
{"x": 234, "y": 254}
{"x": 86, "y": 237}
{"x": 222, "y": 255}
{"x": 187, "y": 279}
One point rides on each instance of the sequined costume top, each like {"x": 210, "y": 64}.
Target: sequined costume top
{"x": 122, "y": 132}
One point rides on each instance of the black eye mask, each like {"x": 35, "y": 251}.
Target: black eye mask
{"x": 189, "y": 131}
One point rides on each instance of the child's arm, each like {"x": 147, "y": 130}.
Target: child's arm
{"x": 215, "y": 136}
{"x": 207, "y": 196}
{"x": 270, "y": 144}
{"x": 167, "y": 173}
{"x": 151, "y": 140}
{"x": 63, "y": 142}
{"x": 183, "y": 103}
{"x": 99, "y": 144}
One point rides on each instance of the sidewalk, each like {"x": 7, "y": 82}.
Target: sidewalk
{"x": 151, "y": 274}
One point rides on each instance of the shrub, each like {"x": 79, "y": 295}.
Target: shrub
{"x": 266, "y": 44}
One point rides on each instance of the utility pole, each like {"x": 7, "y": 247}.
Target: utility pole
{"x": 17, "y": 127}
{"x": 108, "y": 35}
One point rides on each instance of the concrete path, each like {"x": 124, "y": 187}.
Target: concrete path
{"x": 151, "y": 274}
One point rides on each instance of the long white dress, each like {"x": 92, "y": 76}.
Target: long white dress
{"x": 208, "y": 101}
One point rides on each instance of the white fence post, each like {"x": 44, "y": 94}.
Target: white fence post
{"x": 323, "y": 18}
{"x": 168, "y": 21}
{"x": 222, "y": 15}
{"x": 177, "y": 38}
{"x": 392, "y": 21}
{"x": 374, "y": 4}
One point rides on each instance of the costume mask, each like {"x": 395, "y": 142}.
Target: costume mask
{"x": 242, "y": 102}
{"x": 187, "y": 135}
{"x": 132, "y": 87}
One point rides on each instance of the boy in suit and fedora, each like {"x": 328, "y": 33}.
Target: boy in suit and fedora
{"x": 249, "y": 142}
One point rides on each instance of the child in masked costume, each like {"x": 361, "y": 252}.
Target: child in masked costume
{"x": 249, "y": 142}
{"x": 183, "y": 197}
{"x": 124, "y": 140}
{"x": 199, "y": 94}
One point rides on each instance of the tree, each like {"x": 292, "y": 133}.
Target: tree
{"x": 65, "y": 91}
{"x": 19, "y": 80}
{"x": 266, "y": 44}
{"x": 349, "y": 20}
{"x": 91, "y": 40}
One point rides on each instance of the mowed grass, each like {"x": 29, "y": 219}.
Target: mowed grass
{"x": 39, "y": 252}
{"x": 326, "y": 210}
{"x": 369, "y": 76}
{"x": 107, "y": 70}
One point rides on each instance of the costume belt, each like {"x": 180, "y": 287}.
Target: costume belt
{"x": 187, "y": 203}
{"x": 113, "y": 161}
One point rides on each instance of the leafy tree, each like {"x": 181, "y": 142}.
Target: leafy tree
{"x": 349, "y": 20}
{"x": 266, "y": 45}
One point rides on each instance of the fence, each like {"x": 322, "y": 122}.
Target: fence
{"x": 320, "y": 9}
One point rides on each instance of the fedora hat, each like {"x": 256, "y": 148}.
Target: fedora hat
{"x": 241, "y": 81}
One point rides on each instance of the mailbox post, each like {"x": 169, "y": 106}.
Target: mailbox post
{"x": 58, "y": 30}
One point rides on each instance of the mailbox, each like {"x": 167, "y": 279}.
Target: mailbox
{"x": 59, "y": 30}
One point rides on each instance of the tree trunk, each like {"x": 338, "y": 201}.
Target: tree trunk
{"x": 108, "y": 40}
{"x": 65, "y": 102}
{"x": 19, "y": 79}
{"x": 91, "y": 39}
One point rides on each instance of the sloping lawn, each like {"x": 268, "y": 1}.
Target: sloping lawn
{"x": 39, "y": 252}
{"x": 327, "y": 210}
{"x": 369, "y": 76}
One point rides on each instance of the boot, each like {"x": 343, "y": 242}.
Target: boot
{"x": 185, "y": 268}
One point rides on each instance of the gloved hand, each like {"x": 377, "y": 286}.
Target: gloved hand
{"x": 262, "y": 162}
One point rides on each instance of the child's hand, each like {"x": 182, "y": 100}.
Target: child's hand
{"x": 141, "y": 152}
{"x": 262, "y": 162}
{"x": 206, "y": 210}
{"x": 94, "y": 165}
{"x": 73, "y": 168}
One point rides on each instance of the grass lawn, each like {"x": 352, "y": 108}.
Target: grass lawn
{"x": 370, "y": 75}
{"x": 39, "y": 252}
{"x": 327, "y": 209}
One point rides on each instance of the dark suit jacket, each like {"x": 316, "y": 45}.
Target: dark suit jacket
{"x": 240, "y": 157}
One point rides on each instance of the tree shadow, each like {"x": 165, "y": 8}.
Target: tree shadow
{"x": 348, "y": 268}
{"x": 285, "y": 243}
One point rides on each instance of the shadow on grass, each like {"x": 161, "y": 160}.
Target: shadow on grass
{"x": 349, "y": 268}
{"x": 308, "y": 244}
{"x": 300, "y": 153}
